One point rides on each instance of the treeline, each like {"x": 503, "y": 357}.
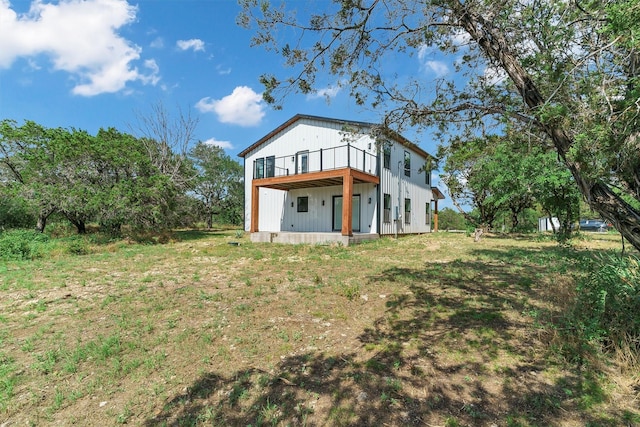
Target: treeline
{"x": 509, "y": 182}
{"x": 113, "y": 179}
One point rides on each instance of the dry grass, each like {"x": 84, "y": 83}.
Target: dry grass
{"x": 425, "y": 330}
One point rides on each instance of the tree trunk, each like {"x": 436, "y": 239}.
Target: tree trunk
{"x": 515, "y": 221}
{"x": 42, "y": 219}
{"x": 80, "y": 226}
{"x": 42, "y": 222}
{"x": 77, "y": 222}
{"x": 598, "y": 195}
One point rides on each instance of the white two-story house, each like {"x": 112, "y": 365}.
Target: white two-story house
{"x": 315, "y": 179}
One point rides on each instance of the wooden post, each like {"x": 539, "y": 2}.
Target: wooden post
{"x": 347, "y": 203}
{"x": 255, "y": 208}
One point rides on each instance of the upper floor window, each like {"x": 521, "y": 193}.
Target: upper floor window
{"x": 258, "y": 173}
{"x": 386, "y": 156}
{"x": 407, "y": 163}
{"x": 271, "y": 167}
{"x": 427, "y": 176}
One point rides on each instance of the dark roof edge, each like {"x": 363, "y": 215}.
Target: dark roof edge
{"x": 437, "y": 193}
{"x": 401, "y": 139}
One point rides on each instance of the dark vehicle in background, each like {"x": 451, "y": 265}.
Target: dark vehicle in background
{"x": 594, "y": 225}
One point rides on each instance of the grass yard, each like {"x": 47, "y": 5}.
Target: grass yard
{"x": 431, "y": 330}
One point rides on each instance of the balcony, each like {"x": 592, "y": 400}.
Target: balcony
{"x": 320, "y": 168}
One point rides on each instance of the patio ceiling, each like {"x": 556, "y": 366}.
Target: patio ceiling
{"x": 314, "y": 179}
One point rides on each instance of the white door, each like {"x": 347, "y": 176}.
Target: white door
{"x": 302, "y": 162}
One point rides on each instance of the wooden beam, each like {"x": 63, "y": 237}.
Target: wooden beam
{"x": 347, "y": 203}
{"x": 312, "y": 179}
{"x": 255, "y": 207}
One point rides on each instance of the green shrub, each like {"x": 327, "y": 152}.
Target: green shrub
{"x": 22, "y": 245}
{"x": 608, "y": 303}
{"x": 78, "y": 245}
{"x": 15, "y": 212}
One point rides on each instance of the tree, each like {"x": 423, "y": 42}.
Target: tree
{"x": 567, "y": 70}
{"x": 109, "y": 178}
{"x": 467, "y": 174}
{"x": 556, "y": 192}
{"x": 449, "y": 219}
{"x": 217, "y": 182}
{"x": 166, "y": 139}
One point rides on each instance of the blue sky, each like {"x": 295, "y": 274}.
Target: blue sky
{"x": 99, "y": 63}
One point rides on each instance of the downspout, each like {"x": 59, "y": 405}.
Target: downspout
{"x": 398, "y": 216}
{"x": 378, "y": 194}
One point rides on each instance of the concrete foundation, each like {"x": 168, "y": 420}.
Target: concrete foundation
{"x": 311, "y": 238}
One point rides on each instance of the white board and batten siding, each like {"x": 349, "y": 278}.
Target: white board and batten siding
{"x": 416, "y": 188}
{"x": 319, "y": 217}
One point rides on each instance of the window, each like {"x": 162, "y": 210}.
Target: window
{"x": 427, "y": 176}
{"x": 259, "y": 168}
{"x": 407, "y": 211}
{"x": 427, "y": 214}
{"x": 303, "y": 204}
{"x": 271, "y": 167}
{"x": 387, "y": 208}
{"x": 407, "y": 163}
{"x": 386, "y": 156}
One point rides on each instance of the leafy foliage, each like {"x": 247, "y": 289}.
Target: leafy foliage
{"x": 609, "y": 302}
{"x": 15, "y": 212}
{"x": 22, "y": 245}
{"x": 506, "y": 175}
{"x": 219, "y": 184}
{"x": 449, "y": 219}
{"x": 112, "y": 178}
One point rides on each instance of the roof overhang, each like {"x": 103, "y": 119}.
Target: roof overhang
{"x": 437, "y": 193}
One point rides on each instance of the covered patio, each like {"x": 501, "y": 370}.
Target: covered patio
{"x": 346, "y": 177}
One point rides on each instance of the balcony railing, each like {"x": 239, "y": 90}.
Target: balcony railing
{"x": 325, "y": 159}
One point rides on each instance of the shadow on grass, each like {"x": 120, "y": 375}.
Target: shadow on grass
{"x": 453, "y": 347}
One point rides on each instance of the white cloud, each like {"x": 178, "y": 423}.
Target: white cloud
{"x": 460, "y": 38}
{"x": 225, "y": 145}
{"x": 79, "y": 37}
{"x": 157, "y": 43}
{"x": 494, "y": 75}
{"x": 243, "y": 107}
{"x": 439, "y": 68}
{"x": 423, "y": 51}
{"x": 195, "y": 44}
{"x": 223, "y": 71}
{"x": 327, "y": 92}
